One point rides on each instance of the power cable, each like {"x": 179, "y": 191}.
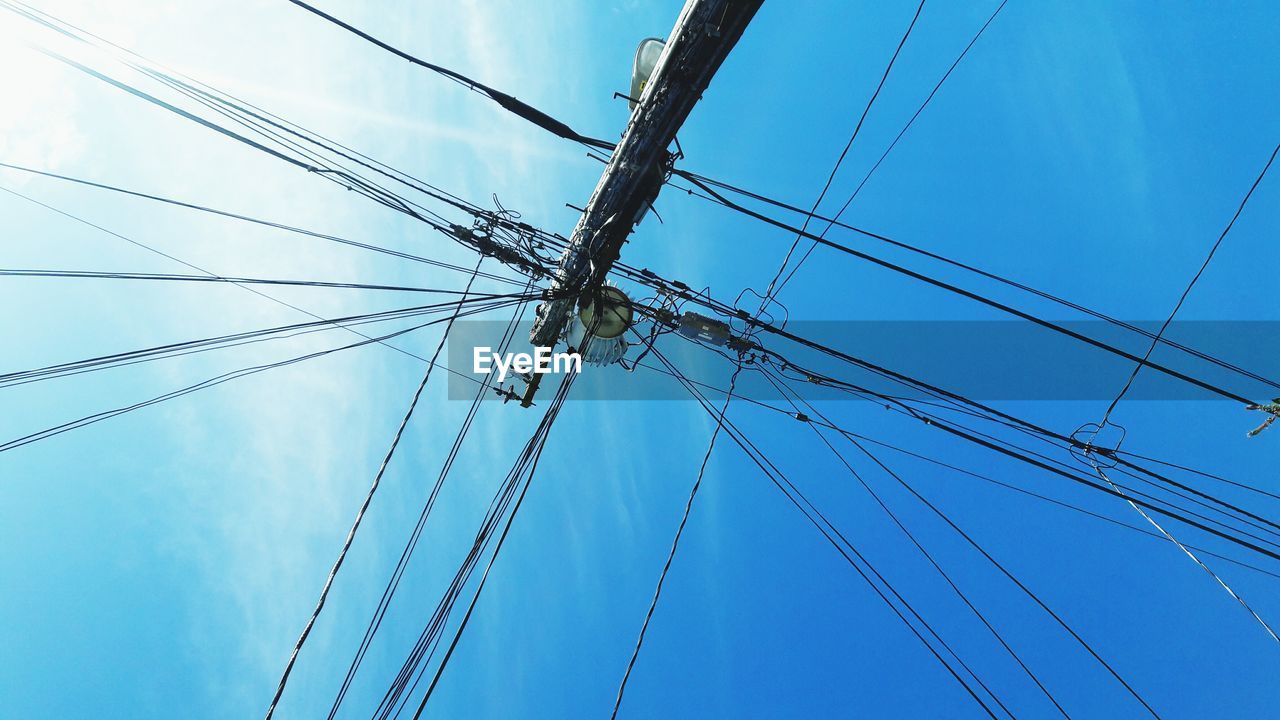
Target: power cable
{"x": 894, "y": 144}
{"x": 837, "y": 540}
{"x": 530, "y": 458}
{"x": 373, "y": 488}
{"x": 879, "y": 237}
{"x": 957, "y": 469}
{"x": 172, "y": 277}
{"x": 770, "y": 291}
{"x": 675, "y": 543}
{"x": 1145, "y": 360}
{"x": 920, "y": 547}
{"x": 205, "y": 384}
{"x": 984, "y": 300}
{"x": 508, "y": 102}
{"x": 393, "y": 582}
{"x": 257, "y": 221}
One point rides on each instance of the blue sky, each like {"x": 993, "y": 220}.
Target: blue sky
{"x": 162, "y": 564}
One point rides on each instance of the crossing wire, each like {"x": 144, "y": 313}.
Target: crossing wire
{"x": 193, "y": 88}
{"x": 1008, "y": 574}
{"x": 1003, "y": 447}
{"x": 200, "y": 269}
{"x": 770, "y": 292}
{"x": 837, "y": 540}
{"x": 792, "y": 399}
{"x": 967, "y": 267}
{"x": 211, "y": 382}
{"x": 1051, "y": 325}
{"x": 1145, "y": 359}
{"x": 234, "y": 280}
{"x": 894, "y": 143}
{"x": 189, "y": 347}
{"x": 257, "y": 121}
{"x": 258, "y": 221}
{"x": 393, "y": 582}
{"x": 987, "y": 412}
{"x": 675, "y": 542}
{"x": 508, "y": 102}
{"x": 414, "y": 667}
{"x": 364, "y": 507}
{"x": 954, "y": 468}
{"x": 1133, "y": 375}
{"x": 527, "y": 465}
{"x": 959, "y": 400}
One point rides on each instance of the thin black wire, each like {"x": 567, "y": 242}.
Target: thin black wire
{"x": 530, "y": 458}
{"x": 173, "y": 277}
{"x": 675, "y": 543}
{"x": 836, "y": 539}
{"x": 923, "y": 551}
{"x": 187, "y": 347}
{"x": 234, "y": 110}
{"x": 1027, "y": 591}
{"x": 915, "y": 384}
{"x": 719, "y": 200}
{"x": 412, "y": 670}
{"x": 1144, "y": 361}
{"x": 197, "y": 268}
{"x": 257, "y": 221}
{"x": 894, "y": 144}
{"x": 1201, "y": 473}
{"x": 189, "y": 85}
{"x": 899, "y": 403}
{"x": 770, "y": 292}
{"x": 205, "y": 384}
{"x": 393, "y": 583}
{"x": 979, "y": 298}
{"x": 508, "y": 102}
{"x": 998, "y": 446}
{"x": 342, "y": 178}
{"x": 373, "y": 488}
{"x": 1114, "y": 673}
{"x": 957, "y": 469}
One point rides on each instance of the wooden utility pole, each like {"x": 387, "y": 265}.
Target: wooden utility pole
{"x": 703, "y": 36}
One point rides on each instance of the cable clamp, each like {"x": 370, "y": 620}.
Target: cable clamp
{"x": 1272, "y": 409}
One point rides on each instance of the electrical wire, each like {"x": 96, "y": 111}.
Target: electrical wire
{"x": 508, "y": 102}
{"x": 187, "y": 347}
{"x": 1145, "y": 360}
{"x": 967, "y": 267}
{"x": 894, "y": 144}
{"x": 257, "y": 221}
{"x": 1048, "y": 324}
{"x": 529, "y": 459}
{"x": 364, "y": 507}
{"x": 781, "y": 388}
{"x": 393, "y": 582}
{"x": 839, "y": 542}
{"x": 675, "y": 543}
{"x": 957, "y": 469}
{"x": 172, "y": 277}
{"x": 208, "y": 383}
{"x": 770, "y": 290}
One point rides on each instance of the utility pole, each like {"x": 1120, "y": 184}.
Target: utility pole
{"x": 703, "y": 35}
